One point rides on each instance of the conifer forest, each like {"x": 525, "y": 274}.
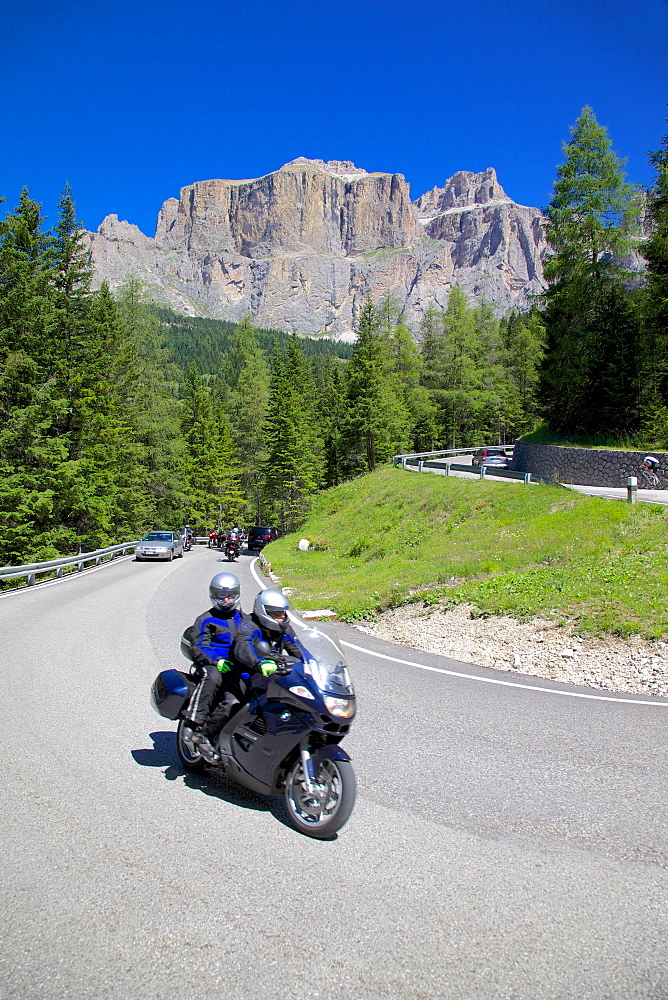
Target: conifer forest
{"x": 117, "y": 415}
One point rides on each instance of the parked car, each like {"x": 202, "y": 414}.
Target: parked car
{"x": 495, "y": 457}
{"x": 160, "y": 545}
{"x": 259, "y": 537}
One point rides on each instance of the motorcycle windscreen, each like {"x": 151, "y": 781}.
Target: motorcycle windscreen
{"x": 325, "y": 662}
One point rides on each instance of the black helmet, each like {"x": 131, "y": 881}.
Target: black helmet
{"x": 270, "y": 610}
{"x": 225, "y": 592}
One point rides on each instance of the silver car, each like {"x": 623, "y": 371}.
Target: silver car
{"x": 160, "y": 545}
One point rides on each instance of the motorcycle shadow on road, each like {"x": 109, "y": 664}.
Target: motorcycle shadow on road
{"x": 163, "y": 755}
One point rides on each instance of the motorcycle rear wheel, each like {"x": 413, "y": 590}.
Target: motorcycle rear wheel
{"x": 191, "y": 760}
{"x": 321, "y": 818}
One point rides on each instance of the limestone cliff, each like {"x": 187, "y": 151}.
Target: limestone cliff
{"x": 303, "y": 246}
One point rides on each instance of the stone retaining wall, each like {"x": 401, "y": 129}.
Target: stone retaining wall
{"x": 585, "y": 466}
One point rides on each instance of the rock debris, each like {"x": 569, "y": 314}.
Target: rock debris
{"x": 540, "y": 647}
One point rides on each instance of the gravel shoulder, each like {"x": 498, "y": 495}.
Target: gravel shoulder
{"x": 540, "y": 647}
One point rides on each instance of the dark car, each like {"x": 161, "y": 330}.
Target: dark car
{"x": 495, "y": 457}
{"x": 259, "y": 537}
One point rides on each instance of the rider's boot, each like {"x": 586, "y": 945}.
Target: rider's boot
{"x": 201, "y": 743}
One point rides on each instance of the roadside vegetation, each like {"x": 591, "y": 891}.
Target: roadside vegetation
{"x": 390, "y": 538}
{"x": 116, "y": 415}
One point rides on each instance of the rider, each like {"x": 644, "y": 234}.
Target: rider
{"x": 234, "y": 535}
{"x": 270, "y": 613}
{"x": 222, "y": 647}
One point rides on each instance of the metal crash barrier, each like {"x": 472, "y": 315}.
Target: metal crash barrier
{"x": 32, "y": 570}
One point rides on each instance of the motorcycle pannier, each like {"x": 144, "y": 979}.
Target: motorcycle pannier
{"x": 170, "y": 693}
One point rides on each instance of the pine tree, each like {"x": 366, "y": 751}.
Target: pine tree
{"x": 330, "y": 410}
{"x": 378, "y": 423}
{"x": 31, "y": 407}
{"x": 151, "y": 383}
{"x": 246, "y": 374}
{"x": 654, "y": 362}
{"x": 588, "y": 228}
{"x": 292, "y": 470}
{"x": 523, "y": 342}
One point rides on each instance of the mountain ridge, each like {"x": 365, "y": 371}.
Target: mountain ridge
{"x": 302, "y": 246}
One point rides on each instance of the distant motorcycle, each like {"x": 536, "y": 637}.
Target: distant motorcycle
{"x": 213, "y": 539}
{"x": 285, "y": 740}
{"x": 187, "y": 543}
{"x": 232, "y": 547}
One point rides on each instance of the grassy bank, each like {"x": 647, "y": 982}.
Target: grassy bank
{"x": 522, "y": 550}
{"x": 636, "y": 442}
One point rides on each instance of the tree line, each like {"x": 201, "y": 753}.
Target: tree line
{"x": 109, "y": 425}
{"x": 605, "y": 371}
{"x": 117, "y": 415}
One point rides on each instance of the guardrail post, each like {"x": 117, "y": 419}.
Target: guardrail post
{"x": 98, "y": 560}
{"x": 80, "y": 567}
{"x": 420, "y": 465}
{"x": 632, "y": 489}
{"x": 482, "y": 471}
{"x": 59, "y": 573}
{"x": 31, "y": 579}
{"x": 403, "y": 463}
{"x": 527, "y": 478}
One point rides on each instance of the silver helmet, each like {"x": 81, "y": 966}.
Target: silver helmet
{"x": 270, "y": 610}
{"x": 225, "y": 592}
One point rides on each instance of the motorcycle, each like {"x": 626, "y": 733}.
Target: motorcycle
{"x": 286, "y": 739}
{"x": 213, "y": 539}
{"x": 187, "y": 543}
{"x": 232, "y": 548}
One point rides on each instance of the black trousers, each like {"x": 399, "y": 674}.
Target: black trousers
{"x": 233, "y": 693}
{"x": 216, "y": 697}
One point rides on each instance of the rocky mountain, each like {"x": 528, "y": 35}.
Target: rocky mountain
{"x": 303, "y": 246}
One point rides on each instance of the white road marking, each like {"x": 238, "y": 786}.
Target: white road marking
{"x": 493, "y": 680}
{"x": 477, "y": 677}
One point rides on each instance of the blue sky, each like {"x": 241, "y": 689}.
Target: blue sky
{"x": 132, "y": 99}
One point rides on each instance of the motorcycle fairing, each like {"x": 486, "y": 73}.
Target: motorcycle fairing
{"x": 330, "y": 752}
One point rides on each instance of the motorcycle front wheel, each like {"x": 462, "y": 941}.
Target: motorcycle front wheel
{"x": 191, "y": 760}
{"x": 320, "y": 814}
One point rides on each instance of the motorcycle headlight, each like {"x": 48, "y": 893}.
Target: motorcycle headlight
{"x": 342, "y": 708}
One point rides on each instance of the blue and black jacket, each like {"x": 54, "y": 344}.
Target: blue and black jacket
{"x": 219, "y": 635}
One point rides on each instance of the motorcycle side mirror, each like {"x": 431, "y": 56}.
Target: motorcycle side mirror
{"x": 262, "y": 647}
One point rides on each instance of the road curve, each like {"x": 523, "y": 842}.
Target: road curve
{"x": 507, "y": 842}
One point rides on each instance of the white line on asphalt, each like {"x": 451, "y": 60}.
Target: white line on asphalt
{"x": 63, "y": 579}
{"x": 493, "y": 680}
{"x": 476, "y": 677}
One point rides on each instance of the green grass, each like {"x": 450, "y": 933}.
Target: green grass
{"x": 542, "y": 435}
{"x": 396, "y": 536}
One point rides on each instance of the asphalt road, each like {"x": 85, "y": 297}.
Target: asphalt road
{"x": 607, "y": 492}
{"x": 508, "y": 841}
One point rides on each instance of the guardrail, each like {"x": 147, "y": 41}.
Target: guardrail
{"x": 483, "y": 471}
{"x": 447, "y": 451}
{"x": 31, "y": 570}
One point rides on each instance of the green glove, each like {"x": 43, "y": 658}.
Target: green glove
{"x": 267, "y": 667}
{"x": 224, "y": 666}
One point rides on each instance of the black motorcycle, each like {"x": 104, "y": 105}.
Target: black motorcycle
{"x": 286, "y": 739}
{"x": 232, "y": 548}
